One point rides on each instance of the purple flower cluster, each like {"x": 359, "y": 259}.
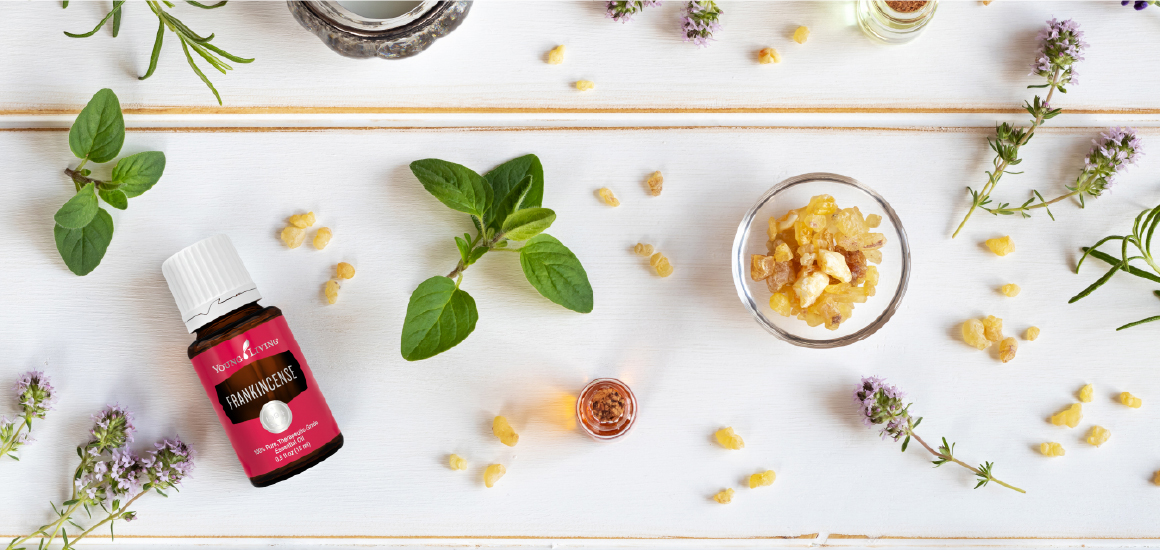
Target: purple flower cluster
{"x": 623, "y": 10}
{"x": 880, "y": 403}
{"x": 1061, "y": 46}
{"x": 35, "y": 394}
{"x": 169, "y": 463}
{"x": 701, "y": 21}
{"x": 112, "y": 429}
{"x": 1115, "y": 149}
{"x": 1138, "y": 4}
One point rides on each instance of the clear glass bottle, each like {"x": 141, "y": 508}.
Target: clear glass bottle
{"x": 893, "y": 22}
{"x": 600, "y": 421}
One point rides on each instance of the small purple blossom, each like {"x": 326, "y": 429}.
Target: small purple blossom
{"x": 112, "y": 429}
{"x": 1061, "y": 46}
{"x": 702, "y": 19}
{"x": 1139, "y": 4}
{"x": 880, "y": 403}
{"x": 169, "y": 463}
{"x": 623, "y": 10}
{"x": 35, "y": 394}
{"x": 1115, "y": 149}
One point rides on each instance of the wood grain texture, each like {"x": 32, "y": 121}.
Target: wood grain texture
{"x": 971, "y": 57}
{"x": 694, "y": 357}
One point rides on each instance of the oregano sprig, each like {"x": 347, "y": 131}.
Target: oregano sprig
{"x": 83, "y": 229}
{"x": 189, "y": 40}
{"x": 1061, "y": 46}
{"x": 880, "y": 404}
{"x": 1141, "y": 239}
{"x": 505, "y": 208}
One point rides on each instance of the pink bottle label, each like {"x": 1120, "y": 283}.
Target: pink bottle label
{"x": 265, "y": 397}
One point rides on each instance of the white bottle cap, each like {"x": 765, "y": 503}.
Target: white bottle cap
{"x": 208, "y": 280}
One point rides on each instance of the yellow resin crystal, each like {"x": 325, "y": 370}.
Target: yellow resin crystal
{"x": 724, "y": 497}
{"x": 504, "y": 431}
{"x": 1011, "y": 289}
{"x": 293, "y": 236}
{"x": 457, "y": 462}
{"x": 1085, "y": 393}
{"x": 661, "y": 264}
{"x": 1069, "y": 417}
{"x": 1001, "y": 246}
{"x": 763, "y": 479}
{"x": 780, "y": 303}
{"x": 331, "y": 291}
{"x": 302, "y": 221}
{"x": 492, "y": 473}
{"x": 556, "y": 56}
{"x": 1156, "y": 478}
{"x": 1098, "y": 436}
{"x": 1031, "y": 334}
{"x": 643, "y": 249}
{"x": 1130, "y": 400}
{"x": 1007, "y": 349}
{"x": 584, "y": 85}
{"x": 781, "y": 253}
{"x": 606, "y": 195}
{"x": 655, "y": 183}
{"x": 344, "y": 270}
{"x": 873, "y": 221}
{"x": 801, "y": 34}
{"x": 767, "y": 56}
{"x": 322, "y": 237}
{"x": 974, "y": 334}
{"x": 730, "y": 440}
{"x": 993, "y": 328}
{"x": 1051, "y": 449}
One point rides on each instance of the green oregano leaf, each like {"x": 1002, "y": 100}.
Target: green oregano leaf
{"x": 99, "y": 131}
{"x": 439, "y": 316}
{"x": 138, "y": 173}
{"x": 526, "y": 224}
{"x": 115, "y": 197}
{"x": 556, "y": 273}
{"x": 503, "y": 207}
{"x": 464, "y": 246}
{"x": 455, "y": 185}
{"x": 505, "y": 177}
{"x": 79, "y": 210}
{"x": 82, "y": 249}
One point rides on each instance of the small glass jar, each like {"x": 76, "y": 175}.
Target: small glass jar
{"x": 601, "y": 422}
{"x": 893, "y": 22}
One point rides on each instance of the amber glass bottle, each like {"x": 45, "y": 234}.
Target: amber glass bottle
{"x": 251, "y": 367}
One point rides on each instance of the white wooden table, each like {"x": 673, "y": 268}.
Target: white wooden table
{"x": 911, "y": 122}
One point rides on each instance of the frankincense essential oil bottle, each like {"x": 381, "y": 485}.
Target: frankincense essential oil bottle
{"x": 252, "y": 369}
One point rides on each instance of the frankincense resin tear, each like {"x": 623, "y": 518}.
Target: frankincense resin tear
{"x": 1051, "y": 449}
{"x": 818, "y": 263}
{"x": 730, "y": 440}
{"x": 1069, "y": 417}
{"x": 492, "y": 474}
{"x": 724, "y": 497}
{"x": 503, "y": 430}
{"x": 457, "y": 462}
{"x": 762, "y": 479}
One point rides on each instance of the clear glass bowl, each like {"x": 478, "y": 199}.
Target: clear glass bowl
{"x": 795, "y": 192}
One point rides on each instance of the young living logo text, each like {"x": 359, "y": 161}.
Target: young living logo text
{"x": 247, "y": 354}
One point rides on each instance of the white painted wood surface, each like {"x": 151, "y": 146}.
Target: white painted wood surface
{"x": 971, "y": 57}
{"x": 694, "y": 357}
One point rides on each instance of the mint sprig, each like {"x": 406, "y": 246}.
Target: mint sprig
{"x": 83, "y": 229}
{"x": 505, "y": 208}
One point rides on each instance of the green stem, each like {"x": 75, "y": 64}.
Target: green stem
{"x": 7, "y": 448}
{"x": 111, "y": 517}
{"x": 461, "y": 266}
{"x": 1002, "y": 166}
{"x": 957, "y": 461}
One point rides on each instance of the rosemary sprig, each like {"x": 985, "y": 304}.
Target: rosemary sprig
{"x": 189, "y": 40}
{"x": 1141, "y": 238}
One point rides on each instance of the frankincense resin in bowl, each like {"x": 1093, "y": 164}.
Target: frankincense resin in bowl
{"x": 851, "y": 319}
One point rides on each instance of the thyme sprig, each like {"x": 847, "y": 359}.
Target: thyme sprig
{"x": 1060, "y": 48}
{"x": 1116, "y": 149}
{"x": 1141, "y": 238}
{"x": 189, "y": 40}
{"x": 881, "y": 405}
